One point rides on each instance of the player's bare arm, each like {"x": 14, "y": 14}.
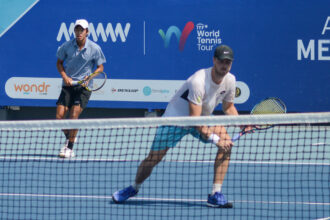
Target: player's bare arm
{"x": 67, "y": 80}
{"x": 99, "y": 68}
{"x": 229, "y": 108}
{"x": 224, "y": 141}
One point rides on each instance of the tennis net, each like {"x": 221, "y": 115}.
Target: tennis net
{"x": 279, "y": 173}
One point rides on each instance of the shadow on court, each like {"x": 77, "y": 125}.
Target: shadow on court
{"x": 32, "y": 155}
{"x": 154, "y": 203}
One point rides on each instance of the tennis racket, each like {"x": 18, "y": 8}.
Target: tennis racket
{"x": 93, "y": 82}
{"x": 266, "y": 106}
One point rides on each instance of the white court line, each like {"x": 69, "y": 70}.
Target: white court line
{"x": 319, "y": 144}
{"x": 173, "y": 161}
{"x": 157, "y": 199}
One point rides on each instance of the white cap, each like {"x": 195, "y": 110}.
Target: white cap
{"x": 82, "y": 22}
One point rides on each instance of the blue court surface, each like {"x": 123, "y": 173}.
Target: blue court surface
{"x": 263, "y": 183}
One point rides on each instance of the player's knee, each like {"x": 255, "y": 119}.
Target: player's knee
{"x": 226, "y": 155}
{"x": 59, "y": 116}
{"x": 155, "y": 158}
{"x": 223, "y": 155}
{"x": 75, "y": 112}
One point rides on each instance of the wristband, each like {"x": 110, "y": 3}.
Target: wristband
{"x": 214, "y": 138}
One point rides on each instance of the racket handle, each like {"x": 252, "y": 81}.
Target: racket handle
{"x": 236, "y": 137}
{"x": 74, "y": 83}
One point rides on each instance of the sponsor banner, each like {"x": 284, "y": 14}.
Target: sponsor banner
{"x": 97, "y": 32}
{"x": 315, "y": 49}
{"x": 113, "y": 90}
{"x": 204, "y": 37}
{"x": 149, "y": 53}
{"x": 140, "y": 90}
{"x": 242, "y": 92}
{"x": 33, "y": 88}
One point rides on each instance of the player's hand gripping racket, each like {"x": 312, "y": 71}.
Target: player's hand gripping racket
{"x": 266, "y": 106}
{"x": 98, "y": 79}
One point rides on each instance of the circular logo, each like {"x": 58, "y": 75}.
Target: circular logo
{"x": 242, "y": 92}
{"x": 146, "y": 90}
{"x": 238, "y": 92}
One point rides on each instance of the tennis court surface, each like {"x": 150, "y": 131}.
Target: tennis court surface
{"x": 279, "y": 173}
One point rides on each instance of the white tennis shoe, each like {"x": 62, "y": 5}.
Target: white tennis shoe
{"x": 65, "y": 151}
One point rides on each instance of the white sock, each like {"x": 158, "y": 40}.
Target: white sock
{"x": 136, "y": 186}
{"x": 216, "y": 188}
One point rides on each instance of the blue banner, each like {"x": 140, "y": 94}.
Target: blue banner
{"x": 282, "y": 49}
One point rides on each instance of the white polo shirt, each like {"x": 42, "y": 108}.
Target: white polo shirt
{"x": 201, "y": 90}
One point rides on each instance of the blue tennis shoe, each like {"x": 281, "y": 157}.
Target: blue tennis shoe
{"x": 124, "y": 194}
{"x": 218, "y": 200}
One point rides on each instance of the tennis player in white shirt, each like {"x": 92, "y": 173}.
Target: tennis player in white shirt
{"x": 198, "y": 96}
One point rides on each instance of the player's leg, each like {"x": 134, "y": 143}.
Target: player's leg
{"x": 221, "y": 163}
{"x": 166, "y": 137}
{"x": 63, "y": 106}
{"x": 68, "y": 152}
{"x": 79, "y": 98}
{"x": 143, "y": 172}
{"x": 148, "y": 164}
{"x": 222, "y": 158}
{"x": 67, "y": 149}
{"x": 75, "y": 112}
{"x": 62, "y": 109}
{"x": 61, "y": 112}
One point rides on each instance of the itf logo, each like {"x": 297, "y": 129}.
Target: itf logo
{"x": 181, "y": 37}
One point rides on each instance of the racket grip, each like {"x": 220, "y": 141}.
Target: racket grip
{"x": 74, "y": 83}
{"x": 236, "y": 137}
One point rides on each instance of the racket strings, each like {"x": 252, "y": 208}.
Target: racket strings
{"x": 98, "y": 81}
{"x": 269, "y": 106}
